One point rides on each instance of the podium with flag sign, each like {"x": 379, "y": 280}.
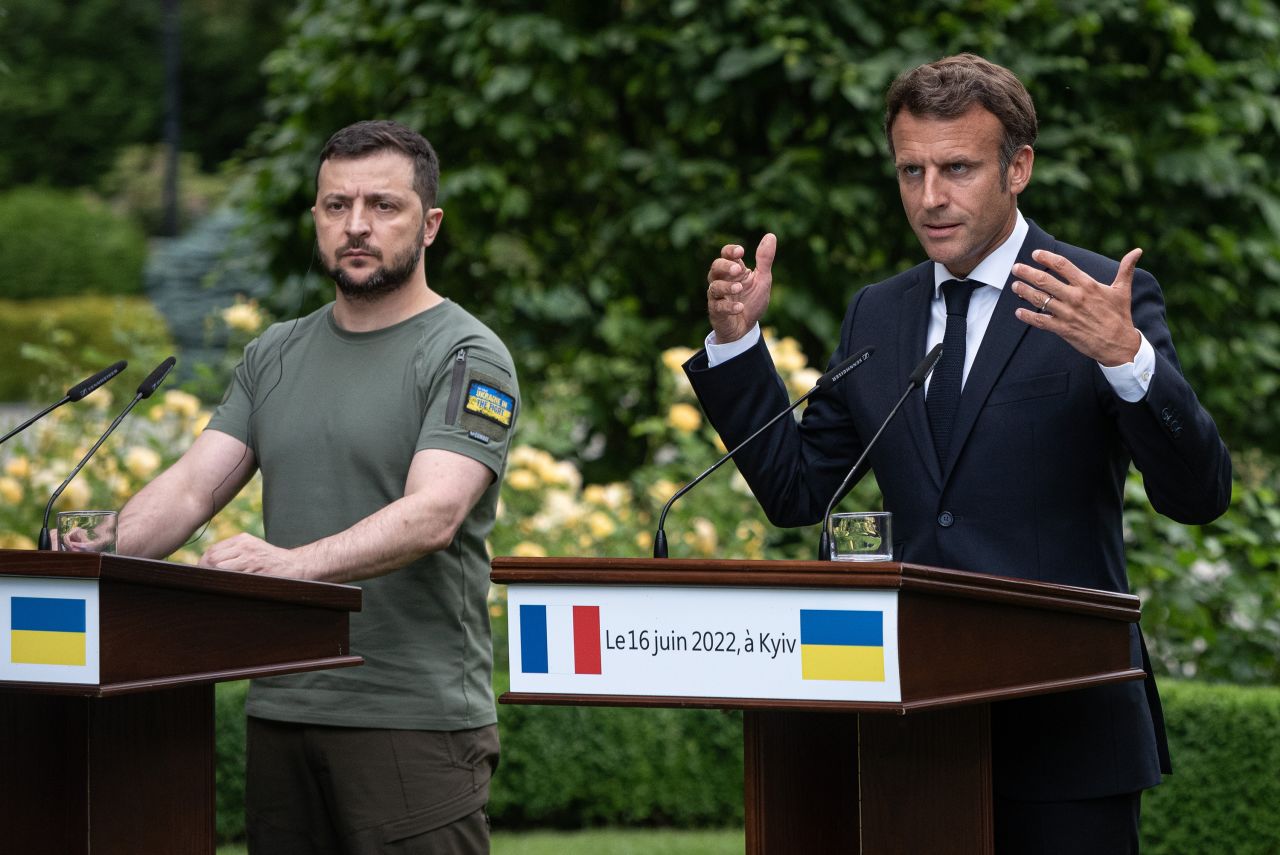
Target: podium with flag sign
{"x": 865, "y": 686}
{"x": 107, "y": 668}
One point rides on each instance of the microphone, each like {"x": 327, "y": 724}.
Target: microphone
{"x": 145, "y": 390}
{"x": 75, "y": 393}
{"x": 826, "y": 381}
{"x": 916, "y": 380}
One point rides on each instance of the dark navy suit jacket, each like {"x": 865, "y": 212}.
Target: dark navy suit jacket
{"x": 1032, "y": 489}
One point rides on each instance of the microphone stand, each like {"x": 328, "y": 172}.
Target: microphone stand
{"x": 145, "y": 390}
{"x": 824, "y": 382}
{"x": 75, "y": 393}
{"x": 917, "y": 379}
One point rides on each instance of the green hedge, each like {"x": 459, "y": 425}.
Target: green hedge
{"x": 586, "y": 766}
{"x": 47, "y": 345}
{"x": 59, "y": 243}
{"x": 1225, "y": 788}
{"x": 228, "y": 712}
{"x": 570, "y": 767}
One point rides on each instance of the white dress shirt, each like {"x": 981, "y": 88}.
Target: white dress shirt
{"x": 1130, "y": 381}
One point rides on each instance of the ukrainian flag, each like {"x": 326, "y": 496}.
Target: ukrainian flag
{"x": 47, "y": 631}
{"x": 842, "y": 645}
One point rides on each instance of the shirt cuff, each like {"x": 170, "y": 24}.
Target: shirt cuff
{"x": 1131, "y": 380}
{"x": 718, "y": 353}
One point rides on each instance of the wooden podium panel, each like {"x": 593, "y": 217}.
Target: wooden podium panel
{"x": 828, "y": 774}
{"x": 124, "y": 764}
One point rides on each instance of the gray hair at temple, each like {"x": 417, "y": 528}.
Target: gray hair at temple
{"x": 948, "y": 88}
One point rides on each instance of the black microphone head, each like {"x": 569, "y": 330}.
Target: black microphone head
{"x": 148, "y": 386}
{"x": 84, "y": 387}
{"x": 835, "y": 375}
{"x": 925, "y": 366}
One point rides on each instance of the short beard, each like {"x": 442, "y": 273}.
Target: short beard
{"x": 387, "y": 279}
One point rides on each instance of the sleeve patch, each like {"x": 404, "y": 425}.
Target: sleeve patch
{"x": 489, "y": 402}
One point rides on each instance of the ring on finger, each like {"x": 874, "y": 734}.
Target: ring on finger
{"x": 1045, "y": 304}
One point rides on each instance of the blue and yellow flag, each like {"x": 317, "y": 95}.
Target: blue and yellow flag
{"x": 842, "y": 645}
{"x": 47, "y": 631}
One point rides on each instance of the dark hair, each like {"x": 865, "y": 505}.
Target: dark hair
{"x": 364, "y": 138}
{"x": 949, "y": 87}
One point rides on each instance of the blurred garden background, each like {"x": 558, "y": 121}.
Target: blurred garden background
{"x": 156, "y": 171}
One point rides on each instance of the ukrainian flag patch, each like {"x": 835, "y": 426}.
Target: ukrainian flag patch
{"x": 489, "y": 402}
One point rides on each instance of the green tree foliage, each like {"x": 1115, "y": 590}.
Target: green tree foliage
{"x": 596, "y": 156}
{"x": 79, "y": 79}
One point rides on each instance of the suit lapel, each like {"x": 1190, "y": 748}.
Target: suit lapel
{"x": 998, "y": 344}
{"x": 914, "y": 326}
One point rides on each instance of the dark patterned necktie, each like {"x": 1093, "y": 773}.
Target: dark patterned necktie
{"x": 944, "y": 388}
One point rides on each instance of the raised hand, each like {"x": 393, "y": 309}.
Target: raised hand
{"x": 736, "y": 295}
{"x": 1094, "y": 318}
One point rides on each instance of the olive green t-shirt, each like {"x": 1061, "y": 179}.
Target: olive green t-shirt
{"x": 334, "y": 419}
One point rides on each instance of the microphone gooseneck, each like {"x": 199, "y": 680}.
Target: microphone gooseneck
{"x": 826, "y": 381}
{"x": 75, "y": 393}
{"x": 916, "y": 380}
{"x": 145, "y": 390}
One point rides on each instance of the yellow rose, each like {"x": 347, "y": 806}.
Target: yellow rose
{"x": 522, "y": 479}
{"x": 182, "y": 403}
{"x": 10, "y": 490}
{"x": 186, "y": 556}
{"x": 100, "y": 398}
{"x": 529, "y": 549}
{"x": 675, "y": 358}
{"x": 661, "y": 490}
{"x": 141, "y": 461}
{"x": 521, "y": 455}
{"x": 684, "y": 418}
{"x": 76, "y": 496}
{"x": 18, "y": 467}
{"x": 561, "y": 473}
{"x": 644, "y": 540}
{"x": 243, "y": 315}
{"x": 13, "y": 540}
{"x": 600, "y": 524}
{"x": 704, "y": 536}
{"x": 799, "y": 382}
{"x": 201, "y": 422}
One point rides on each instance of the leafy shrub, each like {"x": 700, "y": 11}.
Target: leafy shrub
{"x": 46, "y": 345}
{"x": 229, "y": 741}
{"x": 581, "y": 766}
{"x": 59, "y": 243}
{"x": 571, "y": 767}
{"x": 33, "y": 464}
{"x": 1211, "y": 594}
{"x": 1226, "y": 784}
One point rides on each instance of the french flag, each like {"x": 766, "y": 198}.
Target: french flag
{"x": 560, "y": 639}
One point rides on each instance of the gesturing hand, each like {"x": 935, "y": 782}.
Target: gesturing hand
{"x": 1094, "y": 318}
{"x": 737, "y": 296}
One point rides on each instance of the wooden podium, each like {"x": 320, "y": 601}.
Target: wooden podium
{"x": 107, "y": 666}
{"x": 827, "y": 770}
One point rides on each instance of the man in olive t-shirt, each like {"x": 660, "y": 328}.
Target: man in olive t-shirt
{"x": 380, "y": 424}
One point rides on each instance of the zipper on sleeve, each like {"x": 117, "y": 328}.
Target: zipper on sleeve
{"x": 455, "y": 388}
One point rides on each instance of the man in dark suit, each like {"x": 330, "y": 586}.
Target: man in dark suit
{"x": 1058, "y": 370}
